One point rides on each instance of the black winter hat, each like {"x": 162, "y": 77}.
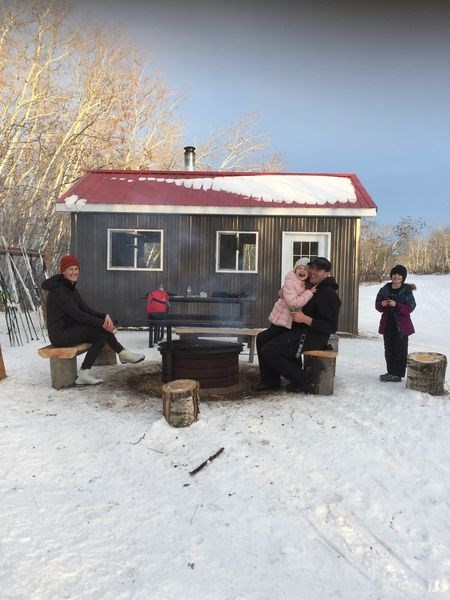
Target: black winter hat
{"x": 321, "y": 263}
{"x": 401, "y": 270}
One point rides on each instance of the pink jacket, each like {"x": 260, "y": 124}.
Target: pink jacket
{"x": 294, "y": 295}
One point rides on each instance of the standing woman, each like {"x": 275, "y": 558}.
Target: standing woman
{"x": 71, "y": 321}
{"x": 396, "y": 301}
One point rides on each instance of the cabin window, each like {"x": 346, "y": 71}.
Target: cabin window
{"x": 302, "y": 249}
{"x": 136, "y": 249}
{"x": 236, "y": 251}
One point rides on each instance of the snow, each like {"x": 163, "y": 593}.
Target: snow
{"x": 314, "y": 498}
{"x": 73, "y": 202}
{"x": 287, "y": 189}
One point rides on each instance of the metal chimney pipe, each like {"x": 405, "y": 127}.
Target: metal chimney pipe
{"x": 189, "y": 158}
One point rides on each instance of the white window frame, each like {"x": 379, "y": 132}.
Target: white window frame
{"x": 132, "y": 230}
{"x": 289, "y": 237}
{"x": 237, "y": 233}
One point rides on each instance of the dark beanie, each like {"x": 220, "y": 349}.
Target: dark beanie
{"x": 68, "y": 261}
{"x": 401, "y": 270}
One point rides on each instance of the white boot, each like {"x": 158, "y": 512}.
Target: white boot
{"x": 125, "y": 356}
{"x": 85, "y": 377}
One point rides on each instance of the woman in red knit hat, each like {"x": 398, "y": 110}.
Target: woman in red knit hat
{"x": 71, "y": 321}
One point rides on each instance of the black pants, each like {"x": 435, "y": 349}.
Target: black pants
{"x": 97, "y": 336}
{"x": 395, "y": 350}
{"x": 277, "y": 349}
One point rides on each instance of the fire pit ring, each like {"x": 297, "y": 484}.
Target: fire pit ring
{"x": 213, "y": 364}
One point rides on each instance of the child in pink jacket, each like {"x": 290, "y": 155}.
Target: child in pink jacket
{"x": 294, "y": 295}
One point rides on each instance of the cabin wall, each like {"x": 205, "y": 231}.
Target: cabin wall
{"x": 189, "y": 259}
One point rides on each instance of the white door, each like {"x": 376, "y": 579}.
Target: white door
{"x": 298, "y": 245}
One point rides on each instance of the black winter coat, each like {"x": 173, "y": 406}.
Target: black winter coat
{"x": 67, "y": 312}
{"x": 324, "y": 309}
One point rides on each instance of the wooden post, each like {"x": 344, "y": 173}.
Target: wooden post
{"x": 426, "y": 372}
{"x": 63, "y": 372}
{"x": 320, "y": 367}
{"x": 106, "y": 357}
{"x": 180, "y": 402}
{"x": 2, "y": 366}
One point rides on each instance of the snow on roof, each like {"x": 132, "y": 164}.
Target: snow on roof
{"x": 302, "y": 189}
{"x": 230, "y": 193}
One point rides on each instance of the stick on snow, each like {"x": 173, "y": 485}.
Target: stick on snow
{"x": 200, "y": 467}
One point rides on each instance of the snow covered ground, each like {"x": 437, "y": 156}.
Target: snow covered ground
{"x": 313, "y": 498}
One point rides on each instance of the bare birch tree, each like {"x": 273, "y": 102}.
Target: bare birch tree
{"x": 72, "y": 100}
{"x": 239, "y": 147}
{"x": 384, "y": 246}
{"x": 375, "y": 250}
{"x": 438, "y": 251}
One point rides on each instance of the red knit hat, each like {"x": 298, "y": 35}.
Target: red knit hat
{"x": 68, "y": 261}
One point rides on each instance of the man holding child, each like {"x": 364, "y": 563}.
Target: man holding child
{"x": 311, "y": 329}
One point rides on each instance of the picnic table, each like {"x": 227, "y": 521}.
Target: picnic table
{"x": 218, "y": 314}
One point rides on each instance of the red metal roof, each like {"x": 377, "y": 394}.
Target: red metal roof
{"x": 218, "y": 193}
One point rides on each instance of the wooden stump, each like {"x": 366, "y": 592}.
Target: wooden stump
{"x": 320, "y": 367}
{"x": 180, "y": 402}
{"x": 426, "y": 372}
{"x": 2, "y": 366}
{"x": 106, "y": 357}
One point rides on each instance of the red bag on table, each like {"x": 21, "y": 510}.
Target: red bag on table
{"x": 158, "y": 301}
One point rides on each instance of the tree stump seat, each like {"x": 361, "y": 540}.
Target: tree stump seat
{"x": 426, "y": 372}
{"x": 180, "y": 402}
{"x": 320, "y": 367}
{"x": 63, "y": 362}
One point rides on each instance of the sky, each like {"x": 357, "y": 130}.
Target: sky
{"x": 359, "y": 87}
{"x": 313, "y": 497}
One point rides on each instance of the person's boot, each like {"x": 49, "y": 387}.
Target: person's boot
{"x": 264, "y": 387}
{"x": 125, "y": 356}
{"x": 305, "y": 388}
{"x": 392, "y": 378}
{"x": 85, "y": 377}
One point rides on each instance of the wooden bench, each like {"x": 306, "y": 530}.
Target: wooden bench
{"x": 246, "y": 332}
{"x": 63, "y": 362}
{"x": 170, "y": 321}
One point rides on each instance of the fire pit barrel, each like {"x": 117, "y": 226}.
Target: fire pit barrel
{"x": 213, "y": 364}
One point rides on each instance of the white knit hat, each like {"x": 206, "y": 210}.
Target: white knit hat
{"x": 302, "y": 262}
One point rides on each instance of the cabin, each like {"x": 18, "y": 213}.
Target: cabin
{"x": 227, "y": 232}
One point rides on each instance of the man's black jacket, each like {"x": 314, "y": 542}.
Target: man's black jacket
{"x": 324, "y": 309}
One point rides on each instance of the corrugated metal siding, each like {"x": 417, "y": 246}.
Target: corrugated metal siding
{"x": 345, "y": 257}
{"x": 189, "y": 259}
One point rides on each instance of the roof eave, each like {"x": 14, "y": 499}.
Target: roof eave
{"x": 277, "y": 211}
